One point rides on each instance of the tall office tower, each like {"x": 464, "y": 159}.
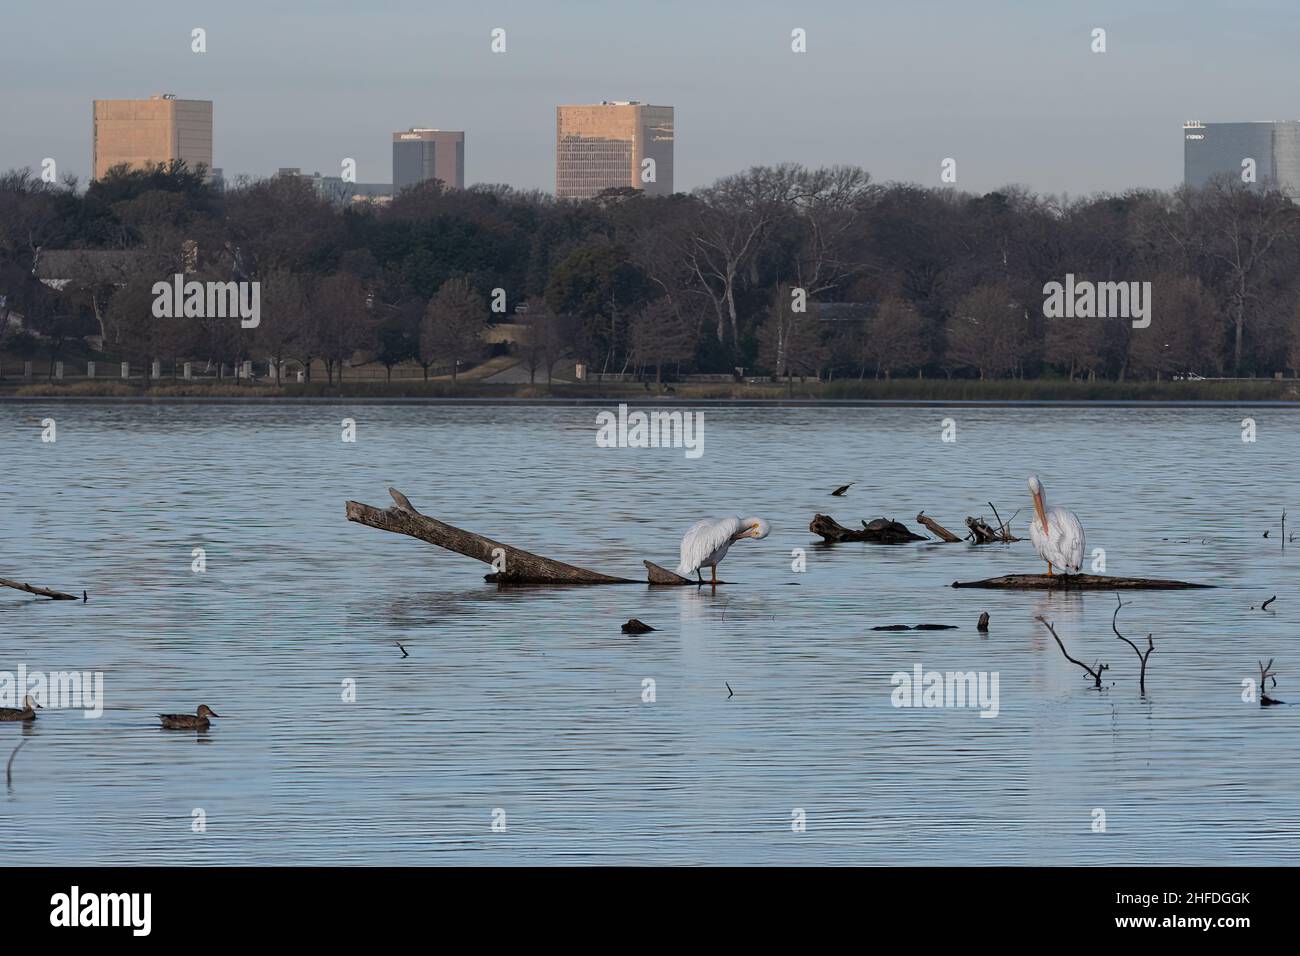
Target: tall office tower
{"x": 421, "y": 154}
{"x": 157, "y": 130}
{"x": 612, "y": 144}
{"x": 1216, "y": 149}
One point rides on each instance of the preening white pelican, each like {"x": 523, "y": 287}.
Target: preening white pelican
{"x": 707, "y": 542}
{"x": 1056, "y": 532}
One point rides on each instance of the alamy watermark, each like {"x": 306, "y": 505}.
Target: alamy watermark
{"x": 177, "y": 299}
{"x": 1083, "y": 299}
{"x": 651, "y": 430}
{"x": 923, "y": 688}
{"x": 61, "y": 690}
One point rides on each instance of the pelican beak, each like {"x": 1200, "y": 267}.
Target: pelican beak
{"x": 1038, "y": 508}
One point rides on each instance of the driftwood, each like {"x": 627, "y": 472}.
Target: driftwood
{"x": 916, "y": 627}
{"x": 879, "y": 531}
{"x": 41, "y": 592}
{"x": 662, "y": 576}
{"x": 1114, "y": 626}
{"x": 936, "y": 528}
{"x": 635, "y": 626}
{"x": 983, "y": 624}
{"x": 1004, "y": 529}
{"x": 1265, "y": 672}
{"x": 1077, "y": 582}
{"x": 984, "y": 533}
{"x": 1095, "y": 671}
{"x": 515, "y": 566}
{"x": 9, "y": 767}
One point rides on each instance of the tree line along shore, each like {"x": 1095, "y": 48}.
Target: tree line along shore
{"x": 815, "y": 282}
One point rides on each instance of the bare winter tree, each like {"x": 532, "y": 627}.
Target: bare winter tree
{"x": 1237, "y": 240}
{"x": 790, "y": 341}
{"x": 829, "y": 206}
{"x": 538, "y": 324}
{"x": 1186, "y": 333}
{"x": 452, "y": 331}
{"x": 730, "y": 222}
{"x": 989, "y": 332}
{"x": 284, "y": 315}
{"x": 896, "y": 338}
{"x": 661, "y": 335}
{"x": 342, "y": 321}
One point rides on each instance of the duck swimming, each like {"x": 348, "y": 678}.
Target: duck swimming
{"x": 195, "y": 721}
{"x": 26, "y": 712}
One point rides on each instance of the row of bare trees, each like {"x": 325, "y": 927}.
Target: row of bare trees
{"x": 949, "y": 283}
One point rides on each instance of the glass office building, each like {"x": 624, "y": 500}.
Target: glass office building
{"x": 1222, "y": 149}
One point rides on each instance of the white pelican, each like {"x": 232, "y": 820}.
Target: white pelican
{"x": 1056, "y": 533}
{"x": 707, "y": 541}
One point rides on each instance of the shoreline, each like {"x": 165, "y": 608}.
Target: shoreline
{"x": 847, "y": 393}
{"x": 657, "y": 401}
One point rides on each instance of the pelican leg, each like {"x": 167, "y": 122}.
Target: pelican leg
{"x": 1049, "y": 569}
{"x": 698, "y": 579}
{"x": 715, "y": 575}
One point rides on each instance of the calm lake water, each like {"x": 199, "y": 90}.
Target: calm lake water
{"x": 531, "y": 701}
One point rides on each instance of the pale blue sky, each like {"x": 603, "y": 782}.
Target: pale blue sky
{"x": 1010, "y": 89}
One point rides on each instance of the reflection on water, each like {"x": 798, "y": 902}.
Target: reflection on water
{"x": 531, "y": 701}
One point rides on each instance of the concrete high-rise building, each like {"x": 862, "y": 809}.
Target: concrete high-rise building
{"x": 1271, "y": 150}
{"x": 421, "y": 154}
{"x": 157, "y": 130}
{"x": 613, "y": 144}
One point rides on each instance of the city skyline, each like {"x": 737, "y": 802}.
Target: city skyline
{"x": 1014, "y": 99}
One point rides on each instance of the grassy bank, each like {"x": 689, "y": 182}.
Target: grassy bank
{"x": 900, "y": 390}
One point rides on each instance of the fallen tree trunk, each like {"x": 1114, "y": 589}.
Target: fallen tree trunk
{"x": 1077, "y": 582}
{"x": 879, "y": 531}
{"x": 936, "y": 528}
{"x": 514, "y": 565}
{"x": 663, "y": 577}
{"x": 41, "y": 592}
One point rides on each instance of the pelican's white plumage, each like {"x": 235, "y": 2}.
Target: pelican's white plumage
{"x": 1056, "y": 532}
{"x": 707, "y": 541}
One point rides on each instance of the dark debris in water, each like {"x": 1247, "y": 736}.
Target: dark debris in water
{"x": 916, "y": 627}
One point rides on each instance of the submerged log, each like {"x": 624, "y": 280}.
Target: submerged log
{"x": 1077, "y": 582}
{"x": 665, "y": 578}
{"x": 916, "y": 627}
{"x": 40, "y": 592}
{"x": 516, "y": 565}
{"x": 879, "y": 531}
{"x": 936, "y": 528}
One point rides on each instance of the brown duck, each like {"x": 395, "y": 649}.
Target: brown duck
{"x": 26, "y": 712}
{"x": 195, "y": 721}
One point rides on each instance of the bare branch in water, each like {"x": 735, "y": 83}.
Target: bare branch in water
{"x": 1142, "y": 680}
{"x": 1094, "y": 672}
